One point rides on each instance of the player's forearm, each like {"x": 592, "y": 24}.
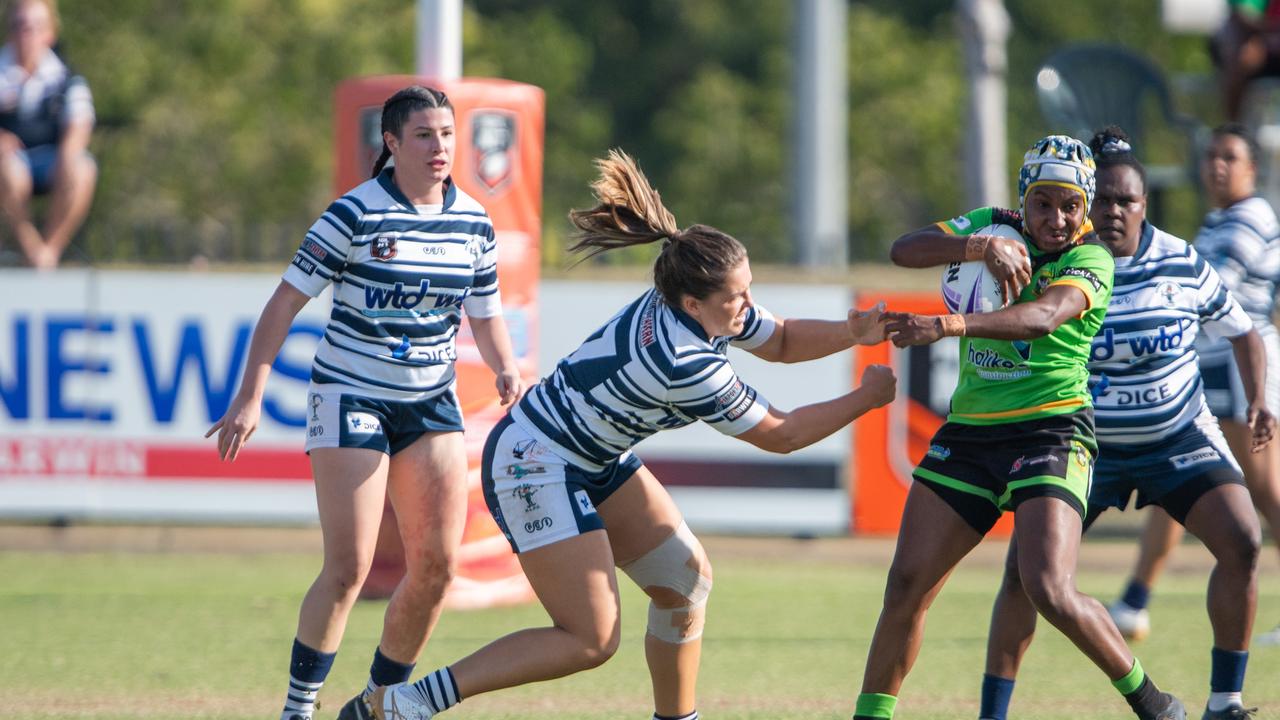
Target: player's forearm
{"x": 808, "y": 424}
{"x": 927, "y": 247}
{"x": 1251, "y": 360}
{"x": 268, "y": 337}
{"x": 494, "y": 343}
{"x": 805, "y": 339}
{"x": 1026, "y": 321}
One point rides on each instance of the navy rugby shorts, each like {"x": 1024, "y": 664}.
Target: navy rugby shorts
{"x": 339, "y": 416}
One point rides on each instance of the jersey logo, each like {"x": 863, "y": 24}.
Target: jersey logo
{"x": 745, "y": 401}
{"x": 1084, "y": 275}
{"x": 314, "y": 249}
{"x": 729, "y": 396}
{"x": 1168, "y": 292}
{"x": 304, "y": 264}
{"x": 493, "y": 141}
{"x": 401, "y": 302}
{"x": 383, "y": 247}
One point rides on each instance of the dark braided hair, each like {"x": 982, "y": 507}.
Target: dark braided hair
{"x": 1111, "y": 148}
{"x": 694, "y": 261}
{"x": 397, "y": 109}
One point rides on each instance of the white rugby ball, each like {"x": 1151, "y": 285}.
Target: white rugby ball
{"x": 968, "y": 287}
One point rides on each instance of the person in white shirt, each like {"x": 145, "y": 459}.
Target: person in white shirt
{"x": 46, "y": 120}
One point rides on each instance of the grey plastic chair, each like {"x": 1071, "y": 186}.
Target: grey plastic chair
{"x": 1083, "y": 88}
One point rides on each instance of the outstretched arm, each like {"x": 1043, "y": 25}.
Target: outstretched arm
{"x": 1024, "y": 321}
{"x": 783, "y": 432}
{"x": 241, "y": 419}
{"x": 798, "y": 340}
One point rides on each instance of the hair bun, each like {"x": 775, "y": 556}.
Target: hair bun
{"x": 1111, "y": 140}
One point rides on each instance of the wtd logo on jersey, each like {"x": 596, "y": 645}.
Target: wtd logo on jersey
{"x": 402, "y": 304}
{"x": 1165, "y": 338}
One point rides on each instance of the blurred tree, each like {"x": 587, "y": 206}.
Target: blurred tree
{"x": 216, "y": 134}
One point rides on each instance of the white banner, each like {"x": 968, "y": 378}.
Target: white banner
{"x": 109, "y": 380}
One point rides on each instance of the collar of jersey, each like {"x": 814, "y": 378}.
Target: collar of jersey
{"x": 687, "y": 320}
{"x": 386, "y": 179}
{"x": 1144, "y": 242}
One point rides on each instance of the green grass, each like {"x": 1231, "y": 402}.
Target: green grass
{"x": 107, "y": 636}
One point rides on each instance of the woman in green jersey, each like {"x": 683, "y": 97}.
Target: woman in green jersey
{"x": 1020, "y": 432}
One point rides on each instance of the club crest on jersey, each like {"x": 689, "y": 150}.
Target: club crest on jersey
{"x": 383, "y": 247}
{"x": 1168, "y": 293}
{"x": 493, "y": 140}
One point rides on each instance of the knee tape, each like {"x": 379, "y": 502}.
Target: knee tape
{"x": 670, "y": 565}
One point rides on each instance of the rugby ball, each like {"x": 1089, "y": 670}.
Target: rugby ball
{"x": 968, "y": 287}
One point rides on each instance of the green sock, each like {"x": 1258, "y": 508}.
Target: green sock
{"x": 874, "y": 706}
{"x": 1132, "y": 681}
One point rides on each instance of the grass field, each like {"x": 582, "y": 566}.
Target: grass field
{"x": 176, "y": 631}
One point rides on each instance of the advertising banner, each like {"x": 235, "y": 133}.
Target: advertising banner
{"x": 890, "y": 441}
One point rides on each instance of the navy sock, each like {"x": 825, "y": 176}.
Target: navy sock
{"x": 385, "y": 671}
{"x": 1228, "y": 670}
{"x": 1136, "y": 595}
{"x": 307, "y": 670}
{"x": 996, "y": 693}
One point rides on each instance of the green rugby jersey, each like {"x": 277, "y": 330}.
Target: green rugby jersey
{"x": 1002, "y": 381}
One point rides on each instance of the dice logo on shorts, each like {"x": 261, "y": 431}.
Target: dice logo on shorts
{"x": 359, "y": 423}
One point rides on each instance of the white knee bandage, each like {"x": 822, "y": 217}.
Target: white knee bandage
{"x": 672, "y": 565}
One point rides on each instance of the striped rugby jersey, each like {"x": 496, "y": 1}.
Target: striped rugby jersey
{"x": 1242, "y": 242}
{"x": 650, "y": 368}
{"x": 402, "y": 277}
{"x": 1144, "y": 373}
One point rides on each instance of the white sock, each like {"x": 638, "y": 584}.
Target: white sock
{"x": 301, "y": 699}
{"x": 1223, "y": 700}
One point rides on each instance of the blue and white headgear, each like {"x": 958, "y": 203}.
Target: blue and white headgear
{"x": 1058, "y": 160}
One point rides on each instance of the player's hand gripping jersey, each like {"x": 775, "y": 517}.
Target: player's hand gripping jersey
{"x": 1002, "y": 381}
{"x": 402, "y": 276}
{"x": 650, "y": 368}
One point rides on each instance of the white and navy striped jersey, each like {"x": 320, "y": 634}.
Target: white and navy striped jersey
{"x": 650, "y": 368}
{"x": 1144, "y": 372}
{"x": 39, "y": 106}
{"x": 1242, "y": 242}
{"x": 402, "y": 276}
